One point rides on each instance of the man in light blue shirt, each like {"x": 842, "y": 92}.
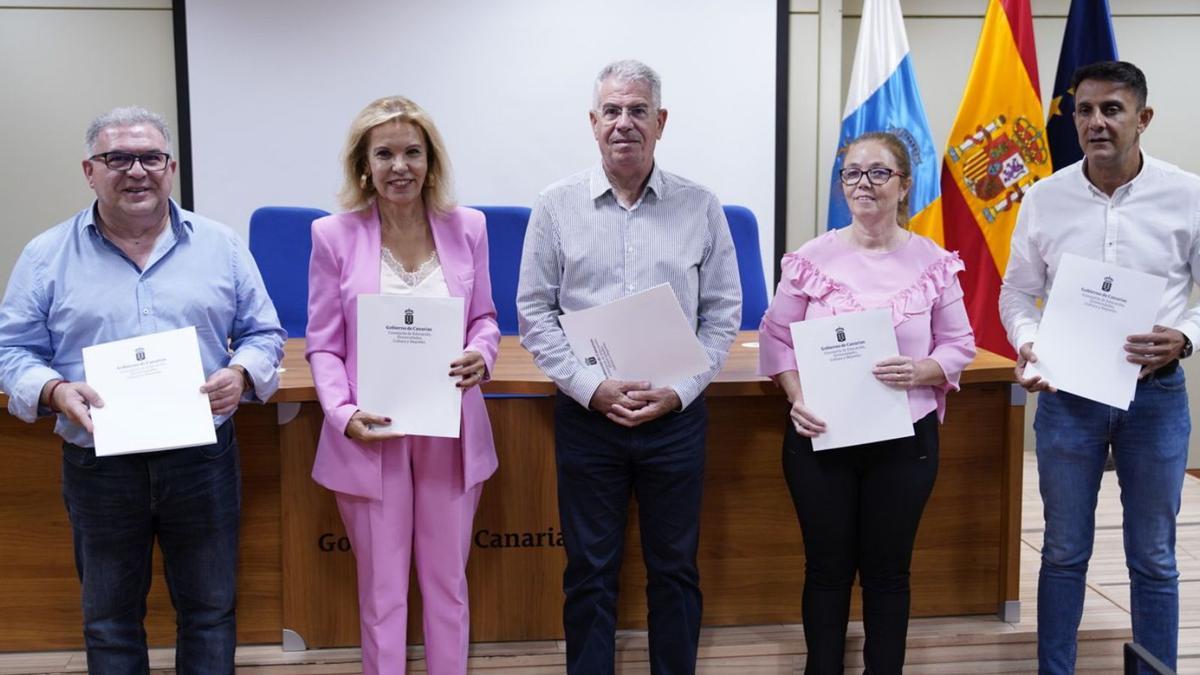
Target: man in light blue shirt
{"x": 134, "y": 263}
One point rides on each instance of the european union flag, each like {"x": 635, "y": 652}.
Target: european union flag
{"x": 1089, "y": 38}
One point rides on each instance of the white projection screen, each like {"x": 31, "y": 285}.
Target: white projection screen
{"x": 274, "y": 84}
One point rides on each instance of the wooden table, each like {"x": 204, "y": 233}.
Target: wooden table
{"x": 297, "y": 579}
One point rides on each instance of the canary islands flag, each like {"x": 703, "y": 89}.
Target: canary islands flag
{"x": 884, "y": 96}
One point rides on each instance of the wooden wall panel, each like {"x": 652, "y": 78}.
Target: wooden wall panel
{"x": 515, "y": 588}
{"x": 319, "y": 599}
{"x": 751, "y": 552}
{"x": 297, "y": 571}
{"x": 39, "y": 596}
{"x": 260, "y": 585}
{"x": 516, "y": 591}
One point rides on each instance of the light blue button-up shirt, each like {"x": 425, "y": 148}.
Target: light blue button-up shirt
{"x": 72, "y": 288}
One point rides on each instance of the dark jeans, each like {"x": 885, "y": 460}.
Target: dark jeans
{"x": 859, "y": 508}
{"x": 190, "y": 500}
{"x": 599, "y": 465}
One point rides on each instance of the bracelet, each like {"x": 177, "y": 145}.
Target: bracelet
{"x": 50, "y": 396}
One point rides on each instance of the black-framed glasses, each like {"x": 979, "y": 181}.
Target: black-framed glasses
{"x": 123, "y": 161}
{"x": 877, "y": 176}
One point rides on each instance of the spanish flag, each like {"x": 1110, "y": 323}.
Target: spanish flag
{"x": 997, "y": 149}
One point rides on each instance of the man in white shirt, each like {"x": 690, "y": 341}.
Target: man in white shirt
{"x": 1124, "y": 207}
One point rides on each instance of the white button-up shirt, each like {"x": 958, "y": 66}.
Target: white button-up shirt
{"x": 1151, "y": 224}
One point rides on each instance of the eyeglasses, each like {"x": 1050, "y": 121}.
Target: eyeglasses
{"x": 877, "y": 176}
{"x": 123, "y": 161}
{"x": 612, "y": 113}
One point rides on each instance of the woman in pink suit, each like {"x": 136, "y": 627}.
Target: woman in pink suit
{"x": 401, "y": 496}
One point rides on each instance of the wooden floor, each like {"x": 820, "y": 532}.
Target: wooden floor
{"x": 960, "y": 645}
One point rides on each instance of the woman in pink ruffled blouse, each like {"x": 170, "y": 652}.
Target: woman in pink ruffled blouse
{"x": 859, "y": 507}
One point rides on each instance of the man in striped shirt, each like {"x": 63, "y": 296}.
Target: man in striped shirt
{"x": 617, "y": 229}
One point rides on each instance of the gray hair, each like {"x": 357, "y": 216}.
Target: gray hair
{"x": 629, "y": 70}
{"x": 125, "y": 117}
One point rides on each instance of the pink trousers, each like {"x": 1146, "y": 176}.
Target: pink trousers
{"x": 425, "y": 513}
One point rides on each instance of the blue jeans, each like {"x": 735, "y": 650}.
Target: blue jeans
{"x": 190, "y": 500}
{"x": 599, "y": 465}
{"x": 1149, "y": 446}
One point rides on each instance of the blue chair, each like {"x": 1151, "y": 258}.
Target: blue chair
{"x": 506, "y": 237}
{"x": 281, "y": 243}
{"x": 744, "y": 228}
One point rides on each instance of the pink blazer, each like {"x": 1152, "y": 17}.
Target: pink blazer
{"x": 345, "y": 263}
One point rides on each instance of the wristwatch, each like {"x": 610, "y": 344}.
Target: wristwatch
{"x": 1187, "y": 348}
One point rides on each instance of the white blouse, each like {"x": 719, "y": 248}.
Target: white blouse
{"x": 427, "y": 280}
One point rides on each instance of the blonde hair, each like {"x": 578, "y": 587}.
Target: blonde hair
{"x": 357, "y": 193}
{"x": 899, "y": 151}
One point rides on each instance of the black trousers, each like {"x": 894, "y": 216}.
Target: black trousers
{"x": 600, "y": 464}
{"x": 859, "y": 508}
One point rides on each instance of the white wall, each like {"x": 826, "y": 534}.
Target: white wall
{"x": 814, "y": 89}
{"x": 275, "y": 84}
{"x": 56, "y": 76}
{"x": 55, "y": 79}
{"x": 1160, "y": 36}
{"x": 1144, "y": 30}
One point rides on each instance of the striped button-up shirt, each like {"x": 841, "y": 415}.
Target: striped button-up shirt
{"x": 583, "y": 248}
